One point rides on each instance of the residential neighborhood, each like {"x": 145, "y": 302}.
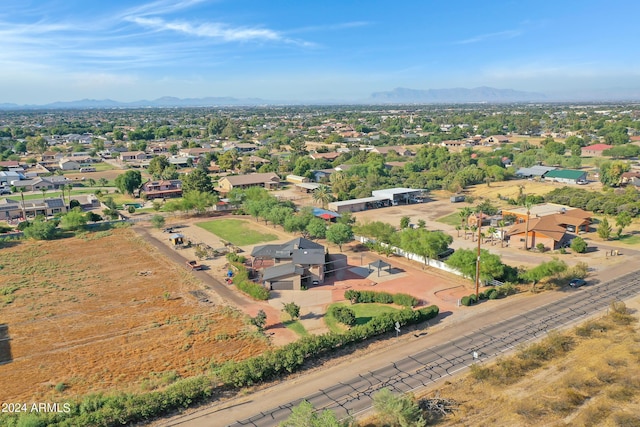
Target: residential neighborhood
{"x": 287, "y": 217}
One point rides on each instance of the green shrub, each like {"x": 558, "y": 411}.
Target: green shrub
{"x": 343, "y": 314}
{"x": 465, "y": 301}
{"x": 405, "y": 300}
{"x": 242, "y": 282}
{"x": 235, "y": 258}
{"x": 365, "y": 297}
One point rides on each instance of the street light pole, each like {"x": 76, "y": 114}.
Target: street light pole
{"x": 478, "y": 258}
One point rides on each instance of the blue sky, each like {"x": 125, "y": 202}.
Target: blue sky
{"x": 60, "y": 50}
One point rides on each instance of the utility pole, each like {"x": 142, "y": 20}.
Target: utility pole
{"x": 478, "y": 257}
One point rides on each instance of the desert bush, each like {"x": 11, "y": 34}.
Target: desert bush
{"x": 620, "y": 314}
{"x": 589, "y": 327}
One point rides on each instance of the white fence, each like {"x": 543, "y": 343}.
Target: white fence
{"x": 413, "y": 257}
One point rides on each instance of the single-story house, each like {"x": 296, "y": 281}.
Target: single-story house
{"x": 12, "y": 208}
{"x": 543, "y": 230}
{"x": 534, "y": 171}
{"x": 495, "y": 139}
{"x": 566, "y": 176}
{"x": 387, "y": 149}
{"x": 572, "y": 219}
{"x": 68, "y": 165}
{"x": 132, "y": 156}
{"x": 331, "y": 156}
{"x": 267, "y": 180}
{"x": 241, "y": 147}
{"x": 594, "y": 150}
{"x": 35, "y": 184}
{"x": 632, "y": 178}
{"x": 296, "y": 179}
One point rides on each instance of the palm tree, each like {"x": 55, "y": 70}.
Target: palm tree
{"x": 501, "y": 224}
{"x": 44, "y": 192}
{"x": 464, "y": 216}
{"x": 69, "y": 187}
{"x": 322, "y": 194}
{"x": 24, "y": 213}
{"x": 92, "y": 182}
{"x": 492, "y": 232}
{"x": 526, "y": 234}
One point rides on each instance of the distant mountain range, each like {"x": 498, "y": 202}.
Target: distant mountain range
{"x": 399, "y": 95}
{"x": 165, "y": 101}
{"x": 456, "y": 95}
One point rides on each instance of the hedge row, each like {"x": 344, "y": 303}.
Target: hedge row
{"x": 242, "y": 282}
{"x": 116, "y": 410}
{"x": 492, "y": 293}
{"x": 291, "y": 357}
{"x": 404, "y": 300}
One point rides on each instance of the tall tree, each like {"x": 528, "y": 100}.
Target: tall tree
{"x": 604, "y": 229}
{"x": 129, "y": 181}
{"x": 317, "y": 228}
{"x": 157, "y": 166}
{"x": 464, "y": 260}
{"x": 37, "y": 145}
{"x": 339, "y": 234}
{"x": 197, "y": 180}
{"x": 323, "y": 195}
{"x": 464, "y": 214}
{"x": 623, "y": 220}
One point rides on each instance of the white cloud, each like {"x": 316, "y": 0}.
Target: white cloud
{"x": 501, "y": 35}
{"x": 212, "y": 30}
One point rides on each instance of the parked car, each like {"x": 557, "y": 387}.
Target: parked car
{"x": 576, "y": 283}
{"x": 446, "y": 254}
{"x": 5, "y": 190}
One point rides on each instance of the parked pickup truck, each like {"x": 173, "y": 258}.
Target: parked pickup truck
{"x": 194, "y": 265}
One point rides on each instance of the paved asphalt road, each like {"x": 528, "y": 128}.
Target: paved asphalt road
{"x": 353, "y": 395}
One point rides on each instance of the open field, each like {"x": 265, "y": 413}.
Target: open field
{"x": 105, "y": 312}
{"x": 236, "y": 231}
{"x": 595, "y": 382}
{"x": 587, "y": 376}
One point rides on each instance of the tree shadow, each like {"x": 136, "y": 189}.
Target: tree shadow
{"x": 5, "y": 345}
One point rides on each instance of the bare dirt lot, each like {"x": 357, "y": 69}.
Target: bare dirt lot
{"x": 105, "y": 312}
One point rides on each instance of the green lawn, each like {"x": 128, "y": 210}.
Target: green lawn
{"x": 235, "y": 231}
{"x": 364, "y": 313}
{"x": 629, "y": 239}
{"x": 296, "y": 327}
{"x": 451, "y": 219}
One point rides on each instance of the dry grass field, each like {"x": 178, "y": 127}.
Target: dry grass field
{"x": 588, "y": 376}
{"x": 594, "y": 381}
{"x": 105, "y": 312}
